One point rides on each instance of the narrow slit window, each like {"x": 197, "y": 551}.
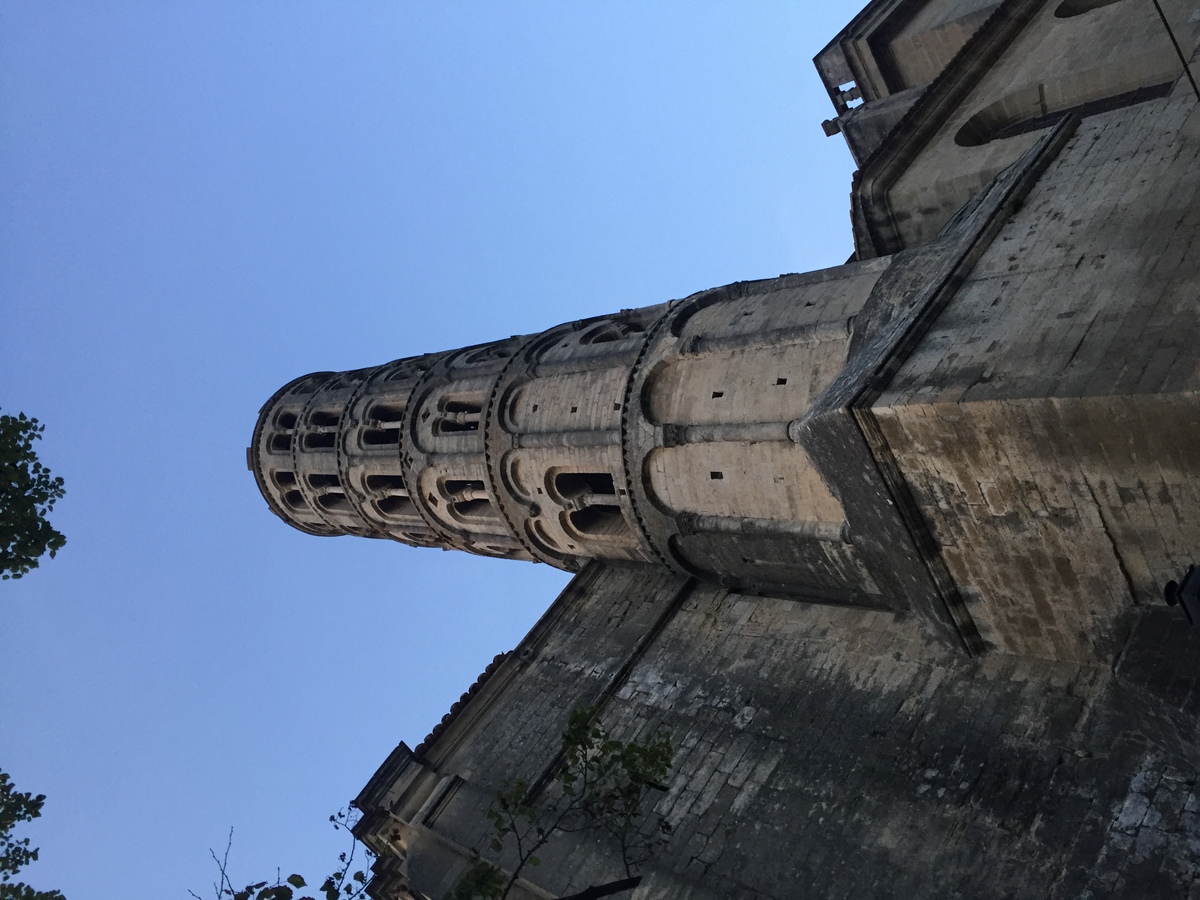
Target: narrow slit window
{"x": 716, "y": 394}
{"x": 281, "y": 443}
{"x": 716, "y": 476}
{"x": 779, "y": 381}
{"x": 334, "y": 502}
{"x": 284, "y": 479}
{"x": 320, "y": 482}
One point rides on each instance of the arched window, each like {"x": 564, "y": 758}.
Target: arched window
{"x": 1028, "y": 111}
{"x": 396, "y": 506}
{"x": 324, "y": 418}
{"x": 334, "y": 502}
{"x": 599, "y": 522}
{"x": 385, "y": 483}
{"x": 607, "y": 332}
{"x": 323, "y": 440}
{"x": 459, "y": 414}
{"x": 571, "y": 485}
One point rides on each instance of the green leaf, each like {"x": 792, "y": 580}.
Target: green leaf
{"x": 296, "y": 881}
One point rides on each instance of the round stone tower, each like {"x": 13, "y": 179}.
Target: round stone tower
{"x": 662, "y": 435}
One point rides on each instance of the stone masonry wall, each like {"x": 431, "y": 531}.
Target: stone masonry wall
{"x": 825, "y": 752}
{"x": 1047, "y": 424}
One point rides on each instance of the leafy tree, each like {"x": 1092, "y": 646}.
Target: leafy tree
{"x": 27, "y": 494}
{"x": 346, "y": 882}
{"x": 15, "y": 808}
{"x": 602, "y": 787}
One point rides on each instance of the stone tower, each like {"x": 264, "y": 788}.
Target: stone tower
{"x": 880, "y": 546}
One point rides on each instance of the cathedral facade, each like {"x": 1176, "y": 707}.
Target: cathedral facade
{"x": 881, "y": 547}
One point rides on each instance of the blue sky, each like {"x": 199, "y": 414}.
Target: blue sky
{"x": 201, "y": 201}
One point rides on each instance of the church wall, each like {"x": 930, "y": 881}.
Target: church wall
{"x": 570, "y": 658}
{"x": 1055, "y": 64}
{"x": 1086, "y": 299}
{"x": 831, "y": 752}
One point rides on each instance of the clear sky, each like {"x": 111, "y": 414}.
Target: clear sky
{"x": 201, "y": 201}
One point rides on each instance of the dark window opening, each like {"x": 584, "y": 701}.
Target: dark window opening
{"x": 1069, "y": 8}
{"x": 294, "y": 499}
{"x": 386, "y": 412}
{"x": 334, "y": 502}
{"x": 464, "y": 489}
{"x": 323, "y": 441}
{"x": 286, "y": 420}
{"x": 473, "y": 509}
{"x": 324, "y": 481}
{"x": 281, "y": 443}
{"x": 385, "y": 482}
{"x": 324, "y": 419}
{"x": 396, "y": 506}
{"x": 378, "y": 437}
{"x": 574, "y": 409}
{"x": 716, "y": 394}
{"x": 716, "y": 476}
{"x": 599, "y": 521}
{"x": 458, "y": 415}
{"x": 284, "y": 479}
{"x": 781, "y": 381}
{"x": 575, "y": 484}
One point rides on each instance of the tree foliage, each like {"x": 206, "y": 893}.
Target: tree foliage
{"x": 17, "y": 807}
{"x": 27, "y": 495}
{"x": 345, "y": 883}
{"x": 602, "y": 787}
